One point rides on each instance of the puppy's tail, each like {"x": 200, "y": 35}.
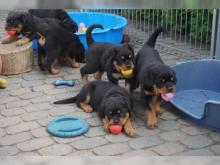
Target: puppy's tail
{"x": 89, "y": 38}
{"x": 152, "y": 40}
{"x": 66, "y": 101}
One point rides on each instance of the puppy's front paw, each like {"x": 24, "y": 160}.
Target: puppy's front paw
{"x": 106, "y": 125}
{"x": 20, "y": 43}
{"x": 130, "y": 131}
{"x": 151, "y": 119}
{"x": 152, "y": 123}
{"x": 88, "y": 109}
{"x": 106, "y": 129}
{"x": 55, "y": 71}
{"x": 75, "y": 65}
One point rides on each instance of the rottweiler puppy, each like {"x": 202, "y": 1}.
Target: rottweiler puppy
{"x": 59, "y": 14}
{"x": 112, "y": 103}
{"x": 154, "y": 78}
{"x": 55, "y": 42}
{"x": 103, "y": 56}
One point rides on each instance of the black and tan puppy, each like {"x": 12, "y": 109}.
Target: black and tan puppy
{"x": 112, "y": 103}
{"x": 55, "y": 42}
{"x": 154, "y": 77}
{"x": 103, "y": 56}
{"x": 59, "y": 14}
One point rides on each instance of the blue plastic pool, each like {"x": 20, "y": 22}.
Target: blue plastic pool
{"x": 198, "y": 92}
{"x": 113, "y": 26}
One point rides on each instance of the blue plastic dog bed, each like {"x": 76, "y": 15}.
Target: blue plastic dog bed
{"x": 113, "y": 27}
{"x": 198, "y": 92}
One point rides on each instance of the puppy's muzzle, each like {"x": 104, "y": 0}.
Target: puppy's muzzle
{"x": 116, "y": 120}
{"x": 170, "y": 88}
{"x": 127, "y": 66}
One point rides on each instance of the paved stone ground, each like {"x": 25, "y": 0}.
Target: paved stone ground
{"x": 26, "y": 108}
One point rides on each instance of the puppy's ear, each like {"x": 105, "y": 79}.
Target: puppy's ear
{"x": 25, "y": 17}
{"x": 113, "y": 52}
{"x": 129, "y": 47}
{"x": 174, "y": 75}
{"x": 101, "y": 110}
{"x": 111, "y": 55}
{"x": 149, "y": 78}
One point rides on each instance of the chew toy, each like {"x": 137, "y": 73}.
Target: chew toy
{"x": 82, "y": 27}
{"x": 115, "y": 129}
{"x": 65, "y": 82}
{"x": 3, "y": 83}
{"x": 167, "y": 96}
{"x": 127, "y": 73}
{"x": 11, "y": 32}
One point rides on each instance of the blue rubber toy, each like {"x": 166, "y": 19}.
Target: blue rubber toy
{"x": 67, "y": 127}
{"x": 65, "y": 82}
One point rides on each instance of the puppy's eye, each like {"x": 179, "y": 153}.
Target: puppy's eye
{"x": 122, "y": 57}
{"x": 110, "y": 112}
{"x": 118, "y": 111}
{"x": 172, "y": 79}
{"x": 129, "y": 56}
{"x": 163, "y": 80}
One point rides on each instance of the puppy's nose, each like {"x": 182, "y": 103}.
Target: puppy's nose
{"x": 116, "y": 121}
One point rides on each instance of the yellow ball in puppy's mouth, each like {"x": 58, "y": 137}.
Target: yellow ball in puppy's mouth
{"x": 127, "y": 73}
{"x": 3, "y": 83}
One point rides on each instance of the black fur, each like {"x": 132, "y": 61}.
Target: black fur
{"x": 106, "y": 98}
{"x": 150, "y": 71}
{"x": 100, "y": 56}
{"x": 59, "y": 14}
{"x": 58, "y": 41}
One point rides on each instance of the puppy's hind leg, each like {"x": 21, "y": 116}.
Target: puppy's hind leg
{"x": 98, "y": 75}
{"x": 88, "y": 69}
{"x": 84, "y": 99}
{"x": 50, "y": 59}
{"x": 85, "y": 105}
{"x": 41, "y": 58}
{"x": 73, "y": 62}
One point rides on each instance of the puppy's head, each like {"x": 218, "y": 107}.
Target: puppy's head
{"x": 16, "y": 21}
{"x": 123, "y": 57}
{"x": 67, "y": 22}
{"x": 161, "y": 77}
{"x": 116, "y": 111}
{"x": 70, "y": 25}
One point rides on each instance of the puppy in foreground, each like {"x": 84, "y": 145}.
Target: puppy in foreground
{"x": 55, "y": 42}
{"x": 156, "y": 79}
{"x": 58, "y": 14}
{"x": 112, "y": 103}
{"x": 116, "y": 60}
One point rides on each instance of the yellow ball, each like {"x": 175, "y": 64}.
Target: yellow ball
{"x": 84, "y": 29}
{"x": 3, "y": 83}
{"x": 127, "y": 73}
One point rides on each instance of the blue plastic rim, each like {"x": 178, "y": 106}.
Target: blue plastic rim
{"x": 113, "y": 26}
{"x": 65, "y": 126}
{"x": 198, "y": 92}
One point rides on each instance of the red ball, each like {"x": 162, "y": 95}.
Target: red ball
{"x": 115, "y": 129}
{"x": 11, "y": 32}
